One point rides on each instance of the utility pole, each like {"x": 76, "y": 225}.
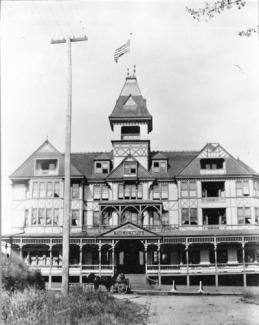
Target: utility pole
{"x": 67, "y": 195}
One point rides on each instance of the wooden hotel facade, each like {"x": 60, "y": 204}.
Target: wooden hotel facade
{"x": 182, "y": 215}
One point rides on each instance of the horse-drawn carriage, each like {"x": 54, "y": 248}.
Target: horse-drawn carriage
{"x": 117, "y": 283}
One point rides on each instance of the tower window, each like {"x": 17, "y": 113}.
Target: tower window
{"x": 130, "y": 132}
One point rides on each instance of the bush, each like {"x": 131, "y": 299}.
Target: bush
{"x": 81, "y": 307}
{"x": 17, "y": 276}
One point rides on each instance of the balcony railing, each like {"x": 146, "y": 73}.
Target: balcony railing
{"x": 203, "y": 268}
{"x": 213, "y": 199}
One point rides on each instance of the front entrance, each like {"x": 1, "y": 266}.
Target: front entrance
{"x": 129, "y": 256}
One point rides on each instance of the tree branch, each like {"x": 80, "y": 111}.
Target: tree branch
{"x": 210, "y": 10}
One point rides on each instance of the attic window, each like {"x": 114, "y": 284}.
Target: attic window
{"x": 216, "y": 163}
{"x": 102, "y": 167}
{"x": 46, "y": 166}
{"x": 159, "y": 166}
{"x": 130, "y": 169}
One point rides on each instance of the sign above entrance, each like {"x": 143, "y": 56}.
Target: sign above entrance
{"x": 129, "y": 230}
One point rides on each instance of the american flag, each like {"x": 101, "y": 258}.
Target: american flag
{"x": 125, "y": 48}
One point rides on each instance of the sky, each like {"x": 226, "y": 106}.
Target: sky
{"x": 200, "y": 79}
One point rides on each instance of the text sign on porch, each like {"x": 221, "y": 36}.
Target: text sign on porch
{"x": 129, "y": 230}
{"x": 129, "y": 233}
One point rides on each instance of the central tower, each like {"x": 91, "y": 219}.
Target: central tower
{"x": 131, "y": 124}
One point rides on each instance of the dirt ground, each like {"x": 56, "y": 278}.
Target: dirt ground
{"x": 198, "y": 310}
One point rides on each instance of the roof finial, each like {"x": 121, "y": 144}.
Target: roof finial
{"x": 128, "y": 72}
{"x": 47, "y": 137}
{"x": 134, "y": 70}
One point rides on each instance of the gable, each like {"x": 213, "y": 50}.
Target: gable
{"x": 210, "y": 151}
{"x": 118, "y": 172}
{"x": 45, "y": 151}
{"x": 129, "y": 230}
{"x": 213, "y": 150}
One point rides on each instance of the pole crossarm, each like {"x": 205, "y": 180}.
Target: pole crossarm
{"x": 72, "y": 39}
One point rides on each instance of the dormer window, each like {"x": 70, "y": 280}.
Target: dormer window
{"x": 159, "y": 166}
{"x": 102, "y": 167}
{"x": 216, "y": 163}
{"x": 46, "y": 167}
{"x": 130, "y": 169}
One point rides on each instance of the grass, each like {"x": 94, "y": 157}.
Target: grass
{"x": 33, "y": 306}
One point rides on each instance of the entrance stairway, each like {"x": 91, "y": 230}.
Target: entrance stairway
{"x": 138, "y": 282}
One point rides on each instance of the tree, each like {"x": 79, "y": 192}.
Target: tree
{"x": 211, "y": 9}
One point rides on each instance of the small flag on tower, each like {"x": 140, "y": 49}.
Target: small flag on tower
{"x": 125, "y": 48}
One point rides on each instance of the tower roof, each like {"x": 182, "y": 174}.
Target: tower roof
{"x": 131, "y": 106}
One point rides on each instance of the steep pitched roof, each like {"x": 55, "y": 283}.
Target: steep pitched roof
{"x": 233, "y": 166}
{"x": 85, "y": 163}
{"x": 46, "y": 150}
{"x": 131, "y": 105}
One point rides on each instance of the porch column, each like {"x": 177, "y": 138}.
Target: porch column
{"x": 50, "y": 265}
{"x": 187, "y": 263}
{"x": 159, "y": 265}
{"x": 244, "y": 262}
{"x": 100, "y": 257}
{"x": 113, "y": 257}
{"x": 21, "y": 252}
{"x": 145, "y": 248}
{"x": 216, "y": 265}
{"x": 80, "y": 263}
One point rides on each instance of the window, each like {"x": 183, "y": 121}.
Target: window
{"x": 46, "y": 166}
{"x": 56, "y": 189}
{"x": 75, "y": 217}
{"x": 130, "y": 169}
{"x": 26, "y": 218}
{"x": 41, "y": 216}
{"x": 96, "y": 219}
{"x": 75, "y": 191}
{"x": 160, "y": 192}
{"x": 242, "y": 188}
{"x": 130, "y": 132}
{"x": 215, "y": 163}
{"x": 33, "y": 216}
{"x": 45, "y": 189}
{"x": 188, "y": 189}
{"x": 244, "y": 215}
{"x": 35, "y": 189}
{"x": 159, "y": 166}
{"x": 48, "y": 217}
{"x": 256, "y": 188}
{"x": 56, "y": 217}
{"x": 130, "y": 192}
{"x": 100, "y": 192}
{"x": 189, "y": 216}
{"x": 42, "y": 190}
{"x": 49, "y": 189}
{"x": 102, "y": 167}
{"x": 256, "y": 216}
